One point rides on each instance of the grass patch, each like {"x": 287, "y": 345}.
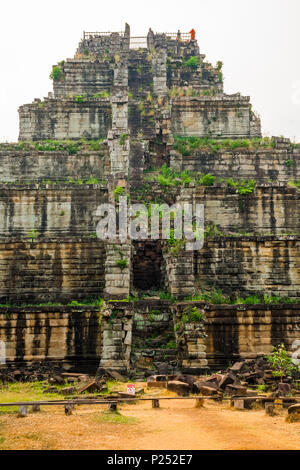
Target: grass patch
{"x": 32, "y": 391}
{"x": 114, "y": 417}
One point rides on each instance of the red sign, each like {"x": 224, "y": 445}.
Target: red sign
{"x": 131, "y": 389}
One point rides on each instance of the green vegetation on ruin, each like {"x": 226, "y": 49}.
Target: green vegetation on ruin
{"x": 187, "y": 145}
{"x": 243, "y": 186}
{"x": 192, "y": 62}
{"x": 167, "y": 177}
{"x": 118, "y": 191}
{"x": 84, "y": 98}
{"x": 217, "y": 297}
{"x": 209, "y": 295}
{"x": 281, "y": 362}
{"x": 295, "y": 184}
{"x": 49, "y": 145}
{"x": 122, "y": 263}
{"x": 123, "y": 139}
{"x": 175, "y": 246}
{"x": 178, "y": 92}
{"x": 191, "y": 315}
{"x": 48, "y": 182}
{"x": 56, "y": 73}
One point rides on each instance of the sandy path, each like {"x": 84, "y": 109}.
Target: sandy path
{"x": 176, "y": 425}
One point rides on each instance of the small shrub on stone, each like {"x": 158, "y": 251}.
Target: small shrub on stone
{"x": 192, "y": 62}
{"x": 56, "y": 74}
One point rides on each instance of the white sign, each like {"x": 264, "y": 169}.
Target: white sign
{"x": 2, "y": 353}
{"x": 296, "y": 354}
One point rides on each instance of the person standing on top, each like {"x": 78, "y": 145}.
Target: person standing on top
{"x": 193, "y": 34}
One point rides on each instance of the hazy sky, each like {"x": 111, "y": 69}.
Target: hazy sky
{"x": 258, "y": 41}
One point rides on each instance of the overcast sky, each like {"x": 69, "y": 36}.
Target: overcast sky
{"x": 258, "y": 41}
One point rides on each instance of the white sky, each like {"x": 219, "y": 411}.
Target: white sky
{"x": 258, "y": 41}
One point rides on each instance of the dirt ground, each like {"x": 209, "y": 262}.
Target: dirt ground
{"x": 176, "y": 425}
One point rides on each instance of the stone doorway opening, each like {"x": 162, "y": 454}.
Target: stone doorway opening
{"x": 148, "y": 266}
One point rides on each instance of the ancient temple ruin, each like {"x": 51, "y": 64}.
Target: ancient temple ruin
{"x": 146, "y": 118}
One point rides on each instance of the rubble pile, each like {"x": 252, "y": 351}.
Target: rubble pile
{"x": 234, "y": 381}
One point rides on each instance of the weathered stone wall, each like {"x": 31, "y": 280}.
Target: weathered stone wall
{"x": 117, "y": 318}
{"x": 65, "y": 119}
{"x": 248, "y": 265}
{"x": 262, "y": 165}
{"x": 52, "y": 211}
{"x": 153, "y": 338}
{"x": 179, "y": 278}
{"x": 100, "y": 45}
{"x": 235, "y": 331}
{"x": 80, "y": 336}
{"x": 66, "y": 336}
{"x": 59, "y": 270}
{"x": 179, "y": 74}
{"x": 104, "y": 61}
{"x": 117, "y": 276}
{"x": 34, "y": 165}
{"x": 69, "y": 269}
{"x": 190, "y": 337}
{"x": 219, "y": 116}
{"x": 150, "y": 94}
{"x": 268, "y": 210}
{"x": 83, "y": 77}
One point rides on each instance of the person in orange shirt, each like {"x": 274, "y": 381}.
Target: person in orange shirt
{"x": 193, "y": 34}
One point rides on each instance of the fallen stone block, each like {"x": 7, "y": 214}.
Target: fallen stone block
{"x": 235, "y": 390}
{"x": 268, "y": 374}
{"x": 182, "y": 389}
{"x": 186, "y": 378}
{"x": 228, "y": 379}
{"x": 91, "y": 387}
{"x": 155, "y": 384}
{"x": 238, "y": 367}
{"x": 57, "y": 379}
{"x": 212, "y": 382}
{"x": 294, "y": 409}
{"x": 51, "y": 390}
{"x": 269, "y": 409}
{"x": 163, "y": 368}
{"x": 198, "y": 386}
{"x": 71, "y": 380}
{"x": 115, "y": 375}
{"x": 159, "y": 381}
{"x": 284, "y": 390}
{"x": 68, "y": 390}
{"x": 204, "y": 388}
